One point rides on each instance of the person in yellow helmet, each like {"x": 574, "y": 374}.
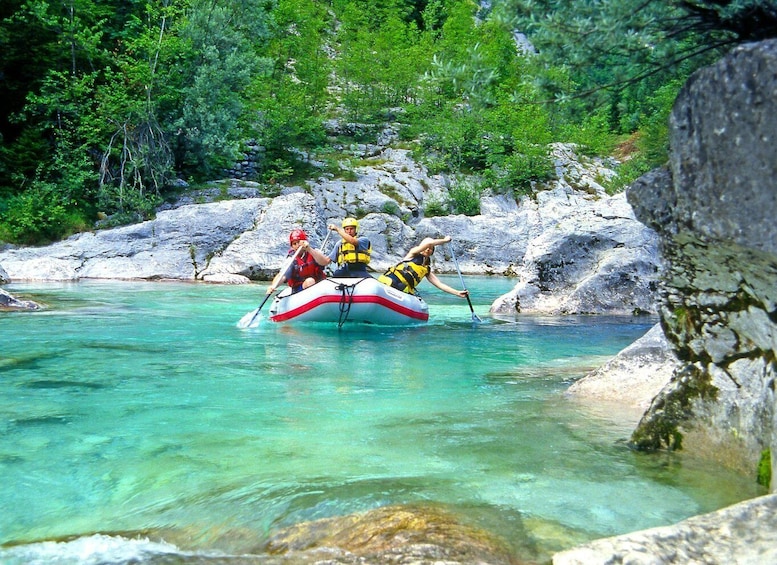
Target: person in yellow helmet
{"x": 415, "y": 266}
{"x": 352, "y": 254}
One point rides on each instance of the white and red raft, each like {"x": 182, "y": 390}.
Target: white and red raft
{"x": 341, "y": 300}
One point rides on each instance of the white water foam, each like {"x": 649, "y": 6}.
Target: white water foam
{"x": 96, "y": 549}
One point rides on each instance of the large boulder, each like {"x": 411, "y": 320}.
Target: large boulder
{"x": 178, "y": 244}
{"x": 584, "y": 255}
{"x": 714, "y": 209}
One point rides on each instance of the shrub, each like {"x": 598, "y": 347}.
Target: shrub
{"x": 465, "y": 199}
{"x": 436, "y": 208}
{"x": 519, "y": 172}
{"x": 391, "y": 207}
{"x": 39, "y": 215}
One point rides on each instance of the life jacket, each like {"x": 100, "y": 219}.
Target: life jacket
{"x": 406, "y": 275}
{"x": 302, "y": 267}
{"x": 347, "y": 255}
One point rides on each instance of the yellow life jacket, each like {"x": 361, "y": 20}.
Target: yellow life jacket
{"x": 347, "y": 254}
{"x": 405, "y": 276}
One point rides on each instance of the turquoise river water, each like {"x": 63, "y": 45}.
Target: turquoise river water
{"x": 142, "y": 407}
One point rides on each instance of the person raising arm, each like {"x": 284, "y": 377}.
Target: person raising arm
{"x": 415, "y": 266}
{"x": 352, "y": 254}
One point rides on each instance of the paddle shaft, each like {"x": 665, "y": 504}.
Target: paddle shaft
{"x": 463, "y": 286}
{"x": 323, "y": 245}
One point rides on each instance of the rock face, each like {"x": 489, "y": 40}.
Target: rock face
{"x": 176, "y": 245}
{"x": 573, "y": 248}
{"x": 590, "y": 262}
{"x": 714, "y": 209}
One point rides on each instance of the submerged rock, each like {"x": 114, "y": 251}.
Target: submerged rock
{"x": 631, "y": 380}
{"x": 391, "y": 534}
{"x": 9, "y": 302}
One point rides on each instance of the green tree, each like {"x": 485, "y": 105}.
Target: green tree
{"x": 380, "y": 59}
{"x": 288, "y": 99}
{"x": 60, "y": 111}
{"x": 619, "y": 50}
{"x": 220, "y": 39}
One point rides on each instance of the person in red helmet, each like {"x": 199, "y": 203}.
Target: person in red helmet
{"x": 306, "y": 269}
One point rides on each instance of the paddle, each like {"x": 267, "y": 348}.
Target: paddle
{"x": 248, "y": 319}
{"x": 323, "y": 245}
{"x": 475, "y": 317}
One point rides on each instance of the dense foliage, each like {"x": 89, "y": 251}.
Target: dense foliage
{"x": 106, "y": 103}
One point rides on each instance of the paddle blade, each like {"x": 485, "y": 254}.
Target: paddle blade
{"x": 475, "y": 317}
{"x": 250, "y": 320}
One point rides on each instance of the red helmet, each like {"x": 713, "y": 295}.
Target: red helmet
{"x": 297, "y": 235}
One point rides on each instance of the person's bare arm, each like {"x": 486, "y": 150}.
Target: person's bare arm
{"x": 279, "y": 278}
{"x": 349, "y": 238}
{"x": 425, "y": 244}
{"x": 432, "y": 278}
{"x": 318, "y": 256}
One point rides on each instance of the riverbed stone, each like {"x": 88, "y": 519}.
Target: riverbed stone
{"x": 10, "y": 302}
{"x": 400, "y": 534}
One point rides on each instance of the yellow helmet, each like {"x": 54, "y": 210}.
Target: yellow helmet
{"x": 351, "y": 222}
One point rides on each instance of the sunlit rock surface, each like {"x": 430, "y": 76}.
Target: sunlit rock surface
{"x": 742, "y": 534}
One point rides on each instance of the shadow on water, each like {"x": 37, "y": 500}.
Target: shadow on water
{"x": 29, "y": 361}
{"x": 52, "y": 384}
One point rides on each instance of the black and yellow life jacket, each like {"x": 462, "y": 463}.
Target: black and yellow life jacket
{"x": 347, "y": 254}
{"x": 405, "y": 276}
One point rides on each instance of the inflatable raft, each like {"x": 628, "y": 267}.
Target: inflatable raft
{"x": 342, "y": 300}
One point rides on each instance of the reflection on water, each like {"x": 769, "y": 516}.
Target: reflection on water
{"x": 132, "y": 407}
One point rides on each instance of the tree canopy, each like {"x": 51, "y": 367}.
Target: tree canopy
{"x": 105, "y": 103}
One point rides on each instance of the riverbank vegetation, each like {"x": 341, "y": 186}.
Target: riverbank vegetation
{"x": 106, "y": 103}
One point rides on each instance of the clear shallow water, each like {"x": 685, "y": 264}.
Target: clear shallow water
{"x": 142, "y": 407}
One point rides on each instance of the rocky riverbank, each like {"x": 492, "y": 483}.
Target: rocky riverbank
{"x": 572, "y": 249}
